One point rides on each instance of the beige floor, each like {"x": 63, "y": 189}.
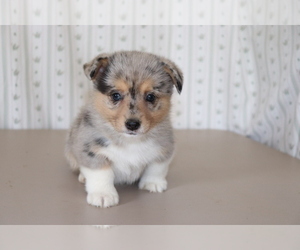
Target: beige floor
{"x": 150, "y": 237}
{"x": 216, "y": 177}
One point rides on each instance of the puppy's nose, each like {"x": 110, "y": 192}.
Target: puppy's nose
{"x": 132, "y": 124}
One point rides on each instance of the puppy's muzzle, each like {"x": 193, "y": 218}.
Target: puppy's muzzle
{"x": 132, "y": 124}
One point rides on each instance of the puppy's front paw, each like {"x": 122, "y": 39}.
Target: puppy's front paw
{"x": 154, "y": 186}
{"x": 105, "y": 199}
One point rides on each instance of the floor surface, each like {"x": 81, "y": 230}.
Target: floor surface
{"x": 150, "y": 237}
{"x": 216, "y": 177}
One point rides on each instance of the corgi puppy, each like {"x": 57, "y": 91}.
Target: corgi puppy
{"x": 123, "y": 134}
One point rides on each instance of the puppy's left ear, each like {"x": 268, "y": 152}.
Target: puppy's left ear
{"x": 174, "y": 72}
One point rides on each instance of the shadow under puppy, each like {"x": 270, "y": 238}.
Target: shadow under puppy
{"x": 124, "y": 134}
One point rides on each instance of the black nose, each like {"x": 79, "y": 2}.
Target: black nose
{"x": 132, "y": 124}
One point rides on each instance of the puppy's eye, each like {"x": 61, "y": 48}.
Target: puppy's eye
{"x": 150, "y": 98}
{"x": 116, "y": 97}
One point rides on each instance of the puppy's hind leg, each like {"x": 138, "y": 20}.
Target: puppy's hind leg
{"x": 74, "y": 165}
{"x": 81, "y": 177}
{"x": 71, "y": 160}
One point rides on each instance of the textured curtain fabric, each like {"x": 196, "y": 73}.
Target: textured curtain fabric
{"x": 244, "y": 79}
{"x": 150, "y": 12}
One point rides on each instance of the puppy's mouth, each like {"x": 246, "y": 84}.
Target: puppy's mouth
{"x": 134, "y": 133}
{"x": 131, "y": 133}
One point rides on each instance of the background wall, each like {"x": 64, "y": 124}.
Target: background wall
{"x": 150, "y": 12}
{"x": 244, "y": 79}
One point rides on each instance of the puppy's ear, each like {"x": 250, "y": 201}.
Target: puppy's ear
{"x": 174, "y": 72}
{"x": 96, "y": 67}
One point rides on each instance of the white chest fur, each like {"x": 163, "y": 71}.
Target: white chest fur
{"x": 129, "y": 161}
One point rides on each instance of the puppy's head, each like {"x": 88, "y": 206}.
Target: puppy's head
{"x": 133, "y": 89}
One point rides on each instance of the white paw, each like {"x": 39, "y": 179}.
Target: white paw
{"x": 105, "y": 199}
{"x": 81, "y": 178}
{"x": 156, "y": 186}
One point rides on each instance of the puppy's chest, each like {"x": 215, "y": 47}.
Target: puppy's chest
{"x": 136, "y": 154}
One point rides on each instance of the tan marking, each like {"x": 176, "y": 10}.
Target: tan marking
{"x": 106, "y": 162}
{"x": 106, "y": 166}
{"x": 115, "y": 115}
{"x": 146, "y": 86}
{"x": 121, "y": 85}
{"x": 152, "y": 118}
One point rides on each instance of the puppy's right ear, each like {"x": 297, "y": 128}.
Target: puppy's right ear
{"x": 95, "y": 68}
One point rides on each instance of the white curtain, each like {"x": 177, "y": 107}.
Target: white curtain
{"x": 150, "y": 12}
{"x": 242, "y": 78}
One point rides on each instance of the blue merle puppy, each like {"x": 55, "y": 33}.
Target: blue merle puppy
{"x": 124, "y": 134}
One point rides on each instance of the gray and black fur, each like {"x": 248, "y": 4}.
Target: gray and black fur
{"x": 91, "y": 132}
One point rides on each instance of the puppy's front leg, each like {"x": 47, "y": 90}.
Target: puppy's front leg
{"x": 154, "y": 177}
{"x": 99, "y": 184}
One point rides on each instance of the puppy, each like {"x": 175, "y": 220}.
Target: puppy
{"x": 124, "y": 134}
